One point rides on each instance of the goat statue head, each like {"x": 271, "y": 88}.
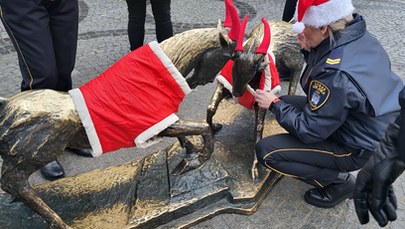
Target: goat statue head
{"x": 213, "y": 60}
{"x": 250, "y": 63}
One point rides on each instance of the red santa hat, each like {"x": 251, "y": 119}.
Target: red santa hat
{"x": 318, "y": 13}
{"x": 232, "y": 20}
{"x": 228, "y": 17}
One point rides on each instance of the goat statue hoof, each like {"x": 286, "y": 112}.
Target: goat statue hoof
{"x": 186, "y": 165}
{"x": 216, "y": 127}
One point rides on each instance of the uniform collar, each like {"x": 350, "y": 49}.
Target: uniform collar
{"x": 355, "y": 29}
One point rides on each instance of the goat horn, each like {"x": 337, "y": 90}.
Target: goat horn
{"x": 239, "y": 43}
{"x": 264, "y": 46}
{"x": 234, "y": 32}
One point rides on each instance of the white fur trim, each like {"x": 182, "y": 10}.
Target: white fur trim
{"x": 326, "y": 13}
{"x": 170, "y": 67}
{"x": 88, "y": 125}
{"x": 276, "y": 90}
{"x": 250, "y": 90}
{"x": 150, "y": 142}
{"x": 267, "y": 73}
{"x": 141, "y": 139}
{"x": 298, "y": 27}
{"x": 224, "y": 82}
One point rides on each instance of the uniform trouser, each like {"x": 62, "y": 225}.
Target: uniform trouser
{"x": 318, "y": 164}
{"x": 289, "y": 9}
{"x": 136, "y": 21}
{"x": 44, "y": 34}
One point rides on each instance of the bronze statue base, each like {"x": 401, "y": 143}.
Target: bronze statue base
{"x": 144, "y": 193}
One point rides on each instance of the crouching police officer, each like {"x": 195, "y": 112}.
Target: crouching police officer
{"x": 351, "y": 97}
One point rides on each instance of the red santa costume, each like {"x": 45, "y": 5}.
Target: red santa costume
{"x": 132, "y": 101}
{"x": 269, "y": 81}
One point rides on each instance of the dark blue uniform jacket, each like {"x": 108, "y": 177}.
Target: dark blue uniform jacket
{"x": 352, "y": 94}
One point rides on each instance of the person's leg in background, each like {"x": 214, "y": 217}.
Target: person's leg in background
{"x": 136, "y": 22}
{"x": 37, "y": 56}
{"x": 289, "y": 10}
{"x": 288, "y": 15}
{"x": 32, "y": 41}
{"x": 64, "y": 21}
{"x": 64, "y": 25}
{"x": 162, "y": 15}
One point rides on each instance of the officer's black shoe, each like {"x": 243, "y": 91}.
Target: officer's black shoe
{"x": 52, "y": 171}
{"x": 81, "y": 152}
{"x": 332, "y": 194}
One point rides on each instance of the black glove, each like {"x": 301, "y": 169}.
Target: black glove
{"x": 49, "y": 3}
{"x": 374, "y": 190}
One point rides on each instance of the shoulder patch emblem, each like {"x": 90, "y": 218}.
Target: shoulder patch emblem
{"x": 318, "y": 94}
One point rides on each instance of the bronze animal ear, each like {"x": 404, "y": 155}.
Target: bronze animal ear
{"x": 263, "y": 64}
{"x": 224, "y": 40}
{"x": 219, "y": 25}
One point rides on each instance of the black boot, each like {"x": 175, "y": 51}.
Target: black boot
{"x": 332, "y": 194}
{"x": 81, "y": 152}
{"x": 52, "y": 171}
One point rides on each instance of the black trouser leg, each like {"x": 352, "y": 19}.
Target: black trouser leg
{"x": 289, "y": 10}
{"x": 318, "y": 164}
{"x": 136, "y": 22}
{"x": 46, "y": 48}
{"x": 27, "y": 24}
{"x": 161, "y": 13}
{"x": 64, "y": 29}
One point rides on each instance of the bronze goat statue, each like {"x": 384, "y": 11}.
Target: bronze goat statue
{"x": 286, "y": 49}
{"x": 284, "y": 46}
{"x": 36, "y": 126}
{"x": 248, "y": 66}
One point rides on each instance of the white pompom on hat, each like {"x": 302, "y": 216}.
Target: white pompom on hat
{"x": 318, "y": 13}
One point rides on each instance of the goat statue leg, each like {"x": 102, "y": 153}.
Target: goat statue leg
{"x": 196, "y": 158}
{"x": 294, "y": 79}
{"x": 14, "y": 180}
{"x": 28, "y": 141}
{"x": 260, "y": 114}
{"x": 216, "y": 98}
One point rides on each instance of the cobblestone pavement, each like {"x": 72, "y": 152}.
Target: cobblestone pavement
{"x": 103, "y": 40}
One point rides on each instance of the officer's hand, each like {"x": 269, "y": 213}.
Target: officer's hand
{"x": 264, "y": 98}
{"x": 374, "y": 191}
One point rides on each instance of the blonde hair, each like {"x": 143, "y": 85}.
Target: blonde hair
{"x": 338, "y": 26}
